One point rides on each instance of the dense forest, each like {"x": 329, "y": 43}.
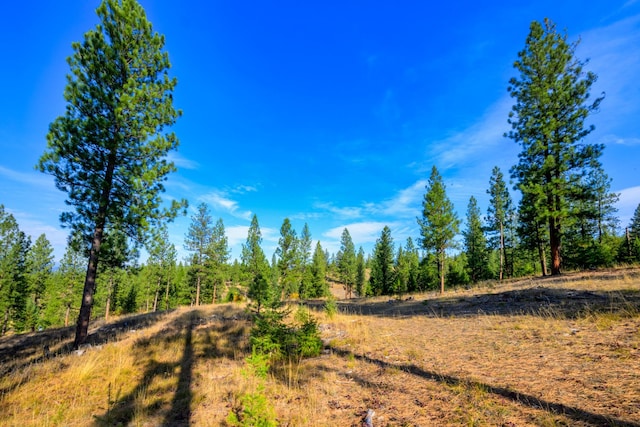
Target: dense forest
{"x": 108, "y": 153}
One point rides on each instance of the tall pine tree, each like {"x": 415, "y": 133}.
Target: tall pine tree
{"x": 108, "y": 152}
{"x": 197, "y": 241}
{"x": 548, "y": 121}
{"x": 439, "y": 223}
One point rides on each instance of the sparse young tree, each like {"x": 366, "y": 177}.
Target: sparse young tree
{"x": 288, "y": 258}
{"x": 218, "y": 253}
{"x": 632, "y": 238}
{"x": 475, "y": 244}
{"x": 256, "y": 265}
{"x": 162, "y": 263}
{"x": 361, "y": 274}
{"x": 439, "y": 223}
{"x": 197, "y": 241}
{"x": 500, "y": 208}
{"x": 346, "y": 262}
{"x": 532, "y": 230}
{"x": 318, "y": 273}
{"x": 108, "y": 152}
{"x": 412, "y": 261}
{"x": 548, "y": 121}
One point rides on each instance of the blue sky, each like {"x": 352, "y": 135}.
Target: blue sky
{"x": 330, "y": 113}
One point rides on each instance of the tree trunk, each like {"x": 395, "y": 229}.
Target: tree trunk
{"x": 82, "y": 326}
{"x": 66, "y": 315}
{"x": 108, "y": 307}
{"x": 441, "y": 262}
{"x": 554, "y": 245}
{"x": 215, "y": 289}
{"x": 198, "y": 289}
{"x": 155, "y": 298}
{"x": 106, "y": 310}
{"x": 5, "y": 322}
{"x": 166, "y": 295}
{"x": 501, "y": 250}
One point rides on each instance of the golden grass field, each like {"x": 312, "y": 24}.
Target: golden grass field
{"x": 536, "y": 352}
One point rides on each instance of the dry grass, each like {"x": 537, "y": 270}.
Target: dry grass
{"x": 530, "y": 353}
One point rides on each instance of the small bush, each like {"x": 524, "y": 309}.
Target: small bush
{"x": 271, "y": 336}
{"x": 255, "y": 411}
{"x": 330, "y": 307}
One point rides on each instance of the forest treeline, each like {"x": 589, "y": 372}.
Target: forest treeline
{"x": 109, "y": 152}
{"x": 37, "y": 292}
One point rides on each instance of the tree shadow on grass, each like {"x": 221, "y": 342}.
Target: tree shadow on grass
{"x": 536, "y": 301}
{"x": 576, "y": 414}
{"x": 125, "y": 408}
{"x": 18, "y": 352}
{"x": 157, "y": 380}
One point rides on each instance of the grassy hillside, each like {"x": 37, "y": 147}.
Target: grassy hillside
{"x": 535, "y": 352}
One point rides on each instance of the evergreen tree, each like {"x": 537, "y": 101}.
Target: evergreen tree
{"x": 66, "y": 287}
{"x": 14, "y": 289}
{"x": 253, "y": 258}
{"x": 346, "y": 262}
{"x": 162, "y": 264}
{"x": 500, "y": 208}
{"x": 305, "y": 245}
{"x": 383, "y": 274}
{"x": 108, "y": 152}
{"x": 362, "y": 290}
{"x": 40, "y": 262}
{"x": 304, "y": 261}
{"x": 217, "y": 256}
{"x": 632, "y": 239}
{"x": 256, "y": 265}
{"x": 197, "y": 241}
{"x": 548, "y": 121}
{"x": 319, "y": 287}
{"x": 593, "y": 220}
{"x": 475, "y": 244}
{"x": 439, "y": 223}
{"x": 412, "y": 259}
{"x": 288, "y": 258}
{"x": 532, "y": 230}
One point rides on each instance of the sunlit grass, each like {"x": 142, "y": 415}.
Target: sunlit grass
{"x": 410, "y": 367}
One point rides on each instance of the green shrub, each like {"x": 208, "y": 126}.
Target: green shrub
{"x": 254, "y": 412}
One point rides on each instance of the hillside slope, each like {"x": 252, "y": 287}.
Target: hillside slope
{"x": 536, "y": 352}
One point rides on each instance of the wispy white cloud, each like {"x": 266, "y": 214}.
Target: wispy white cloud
{"x": 237, "y": 236}
{"x": 629, "y": 198}
{"x": 614, "y": 56}
{"x": 28, "y": 178}
{"x": 477, "y": 141}
{"x": 342, "y": 212}
{"x": 404, "y": 204}
{"x": 34, "y": 227}
{"x": 363, "y": 232}
{"x": 182, "y": 162}
{"x": 627, "y": 204}
{"x": 220, "y": 201}
{"x": 242, "y": 189}
{"x": 613, "y": 139}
